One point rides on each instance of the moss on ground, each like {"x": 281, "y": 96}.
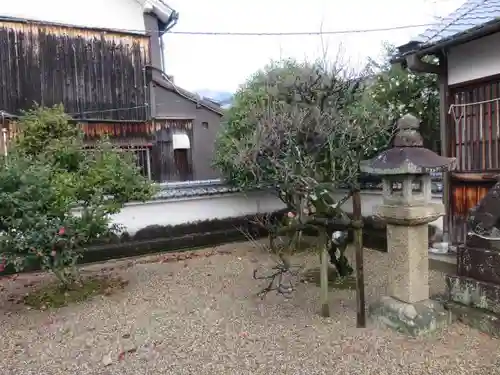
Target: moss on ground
{"x": 54, "y": 295}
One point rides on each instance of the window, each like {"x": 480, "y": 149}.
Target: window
{"x": 204, "y": 124}
{"x": 143, "y": 160}
{"x": 142, "y": 156}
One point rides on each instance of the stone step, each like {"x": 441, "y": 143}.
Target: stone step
{"x": 445, "y": 263}
{"x": 478, "y": 263}
{"x": 474, "y": 293}
{"x": 479, "y": 319}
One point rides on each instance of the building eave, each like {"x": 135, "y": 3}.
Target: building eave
{"x": 423, "y": 49}
{"x": 164, "y": 82}
{"x": 137, "y": 33}
{"x": 188, "y": 96}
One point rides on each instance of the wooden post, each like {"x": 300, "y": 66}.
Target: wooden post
{"x": 5, "y": 140}
{"x": 148, "y": 163}
{"x": 325, "y": 307}
{"x": 444, "y": 129}
{"x": 357, "y": 224}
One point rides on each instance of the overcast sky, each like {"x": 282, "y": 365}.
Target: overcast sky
{"x": 223, "y": 62}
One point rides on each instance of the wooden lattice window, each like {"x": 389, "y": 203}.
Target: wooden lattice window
{"x": 474, "y": 127}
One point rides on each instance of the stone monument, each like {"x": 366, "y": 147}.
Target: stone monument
{"x": 407, "y": 209}
{"x": 474, "y": 293}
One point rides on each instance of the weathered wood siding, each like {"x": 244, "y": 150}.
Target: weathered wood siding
{"x": 94, "y": 73}
{"x": 474, "y": 139}
{"x": 475, "y": 129}
{"x": 464, "y": 196}
{"x": 164, "y": 166}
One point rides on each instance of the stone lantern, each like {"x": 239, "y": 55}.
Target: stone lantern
{"x": 407, "y": 210}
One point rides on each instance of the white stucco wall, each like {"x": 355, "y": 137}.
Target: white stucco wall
{"x": 109, "y": 14}
{"x": 477, "y": 59}
{"x": 178, "y": 211}
{"x": 136, "y": 216}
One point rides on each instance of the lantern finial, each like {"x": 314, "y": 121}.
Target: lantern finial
{"x": 408, "y": 134}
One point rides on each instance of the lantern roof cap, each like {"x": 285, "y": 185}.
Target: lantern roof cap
{"x": 407, "y": 154}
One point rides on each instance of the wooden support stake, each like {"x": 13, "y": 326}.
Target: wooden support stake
{"x": 325, "y": 307}
{"x": 148, "y": 163}
{"x": 358, "y": 245}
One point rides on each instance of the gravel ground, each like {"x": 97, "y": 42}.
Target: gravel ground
{"x": 201, "y": 316}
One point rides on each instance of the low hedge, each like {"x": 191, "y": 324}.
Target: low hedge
{"x": 159, "y": 238}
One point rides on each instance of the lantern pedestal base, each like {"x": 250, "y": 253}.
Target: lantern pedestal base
{"x": 412, "y": 319}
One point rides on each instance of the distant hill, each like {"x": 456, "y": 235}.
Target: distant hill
{"x": 224, "y": 98}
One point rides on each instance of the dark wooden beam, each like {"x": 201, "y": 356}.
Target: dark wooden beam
{"x": 415, "y": 63}
{"x": 445, "y": 147}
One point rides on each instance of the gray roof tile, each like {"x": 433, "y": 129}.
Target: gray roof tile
{"x": 471, "y": 15}
{"x": 186, "y": 189}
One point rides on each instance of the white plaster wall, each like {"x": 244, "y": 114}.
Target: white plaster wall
{"x": 136, "y": 216}
{"x": 178, "y": 211}
{"x": 477, "y": 59}
{"x": 108, "y": 14}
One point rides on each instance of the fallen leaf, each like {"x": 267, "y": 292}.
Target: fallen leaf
{"x": 121, "y": 356}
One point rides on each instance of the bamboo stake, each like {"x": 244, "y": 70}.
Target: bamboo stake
{"x": 325, "y": 307}
{"x": 357, "y": 224}
{"x": 4, "y": 134}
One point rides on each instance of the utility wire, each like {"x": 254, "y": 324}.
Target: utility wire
{"x": 106, "y": 110}
{"x": 298, "y": 33}
{"x": 224, "y": 33}
{"x": 230, "y": 33}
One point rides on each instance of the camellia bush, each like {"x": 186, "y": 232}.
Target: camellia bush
{"x": 46, "y": 175}
{"x": 400, "y": 91}
{"x": 301, "y": 130}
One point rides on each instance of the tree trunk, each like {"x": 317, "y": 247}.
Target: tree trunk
{"x": 343, "y": 267}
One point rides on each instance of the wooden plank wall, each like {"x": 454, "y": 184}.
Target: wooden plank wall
{"x": 474, "y": 134}
{"x": 164, "y": 165}
{"x": 93, "y": 73}
{"x": 149, "y": 141}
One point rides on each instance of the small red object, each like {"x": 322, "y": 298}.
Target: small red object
{"x": 62, "y": 230}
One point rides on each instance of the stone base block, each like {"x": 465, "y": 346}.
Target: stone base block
{"x": 479, "y": 319}
{"x": 413, "y": 319}
{"x": 474, "y": 293}
{"x": 480, "y": 264}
